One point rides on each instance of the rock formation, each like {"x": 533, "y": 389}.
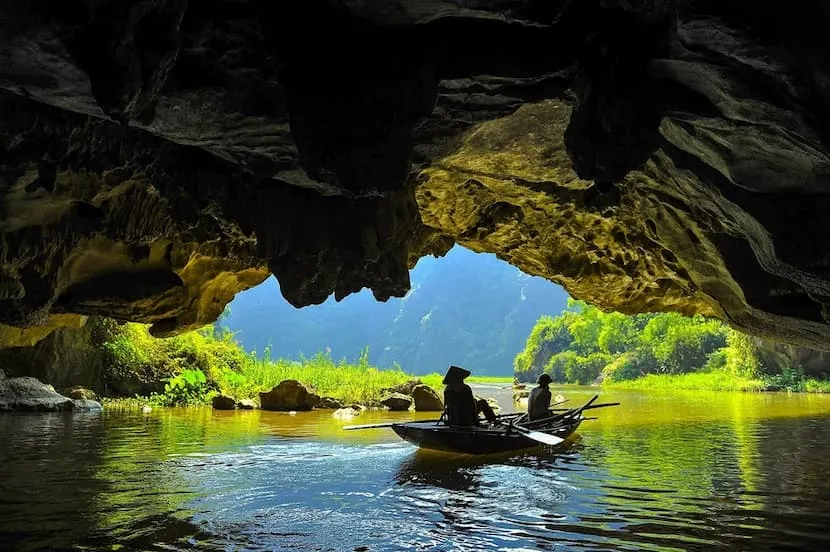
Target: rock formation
{"x": 426, "y": 399}
{"x": 158, "y": 156}
{"x": 397, "y": 402}
{"x": 223, "y": 402}
{"x": 31, "y": 395}
{"x": 289, "y": 395}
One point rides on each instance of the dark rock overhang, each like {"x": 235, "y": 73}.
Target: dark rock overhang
{"x": 158, "y": 156}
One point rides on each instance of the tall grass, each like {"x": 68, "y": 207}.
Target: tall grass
{"x": 228, "y": 369}
{"x": 816, "y": 386}
{"x": 715, "y": 380}
{"x": 350, "y": 383}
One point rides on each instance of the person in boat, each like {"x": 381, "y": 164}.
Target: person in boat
{"x": 538, "y": 404}
{"x": 460, "y": 407}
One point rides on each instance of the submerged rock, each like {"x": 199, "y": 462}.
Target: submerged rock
{"x": 397, "y": 401}
{"x": 287, "y": 396}
{"x": 223, "y": 402}
{"x": 350, "y": 411}
{"x": 329, "y": 403}
{"x": 426, "y": 399}
{"x": 246, "y": 404}
{"x": 30, "y": 394}
{"x": 86, "y": 405}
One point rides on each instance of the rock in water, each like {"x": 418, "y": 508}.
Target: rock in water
{"x": 403, "y": 388}
{"x": 86, "y": 405}
{"x": 397, "y": 401}
{"x": 348, "y": 412}
{"x": 329, "y": 403}
{"x": 223, "y": 402}
{"x": 520, "y": 394}
{"x": 80, "y": 393}
{"x": 494, "y": 404}
{"x": 426, "y": 399}
{"x": 30, "y": 394}
{"x": 246, "y": 404}
{"x": 287, "y": 396}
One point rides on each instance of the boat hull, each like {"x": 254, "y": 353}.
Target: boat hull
{"x": 473, "y": 440}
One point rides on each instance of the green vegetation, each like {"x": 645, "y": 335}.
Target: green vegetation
{"x": 195, "y": 366}
{"x": 662, "y": 351}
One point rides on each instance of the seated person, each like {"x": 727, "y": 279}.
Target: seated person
{"x": 538, "y": 404}
{"x": 460, "y": 407}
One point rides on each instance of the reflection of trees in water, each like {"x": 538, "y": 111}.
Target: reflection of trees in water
{"x": 99, "y": 480}
{"x": 720, "y": 482}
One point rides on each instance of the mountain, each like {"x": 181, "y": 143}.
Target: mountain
{"x": 465, "y": 308}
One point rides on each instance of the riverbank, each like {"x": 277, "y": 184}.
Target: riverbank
{"x": 350, "y": 385}
{"x": 720, "y": 380}
{"x": 193, "y": 368}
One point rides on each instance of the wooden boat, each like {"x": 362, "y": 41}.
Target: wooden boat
{"x": 478, "y": 439}
{"x": 511, "y": 432}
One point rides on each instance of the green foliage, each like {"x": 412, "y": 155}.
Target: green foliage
{"x": 741, "y": 356}
{"x": 718, "y": 380}
{"x": 585, "y": 344}
{"x": 198, "y": 364}
{"x": 188, "y": 387}
{"x": 659, "y": 351}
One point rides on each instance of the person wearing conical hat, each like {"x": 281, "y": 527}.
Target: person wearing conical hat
{"x": 538, "y": 404}
{"x": 460, "y": 407}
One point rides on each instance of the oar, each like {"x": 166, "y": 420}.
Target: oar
{"x": 603, "y": 405}
{"x": 390, "y": 424}
{"x": 372, "y": 426}
{"x": 589, "y": 408}
{"x": 544, "y": 438}
{"x": 578, "y": 411}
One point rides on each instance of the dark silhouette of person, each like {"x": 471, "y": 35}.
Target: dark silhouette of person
{"x": 538, "y": 404}
{"x": 460, "y": 407}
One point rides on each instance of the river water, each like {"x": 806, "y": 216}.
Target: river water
{"x": 682, "y": 471}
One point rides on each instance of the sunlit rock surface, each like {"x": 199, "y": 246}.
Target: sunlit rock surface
{"x": 159, "y": 156}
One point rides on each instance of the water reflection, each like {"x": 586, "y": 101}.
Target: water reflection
{"x": 693, "y": 472}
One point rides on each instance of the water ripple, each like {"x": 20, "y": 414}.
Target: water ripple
{"x": 185, "y": 481}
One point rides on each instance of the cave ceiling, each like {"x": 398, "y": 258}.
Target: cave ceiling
{"x": 159, "y": 156}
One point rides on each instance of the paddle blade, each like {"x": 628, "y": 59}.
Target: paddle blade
{"x": 544, "y": 438}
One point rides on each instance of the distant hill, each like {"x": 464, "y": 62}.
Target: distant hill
{"x": 465, "y": 308}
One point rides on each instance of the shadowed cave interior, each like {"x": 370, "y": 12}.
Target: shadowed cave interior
{"x": 159, "y": 156}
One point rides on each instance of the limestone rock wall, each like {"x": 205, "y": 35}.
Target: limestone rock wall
{"x": 158, "y": 156}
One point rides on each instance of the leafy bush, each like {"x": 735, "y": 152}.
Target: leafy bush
{"x": 189, "y": 387}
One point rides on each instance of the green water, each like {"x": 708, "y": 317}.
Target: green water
{"x": 686, "y": 471}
